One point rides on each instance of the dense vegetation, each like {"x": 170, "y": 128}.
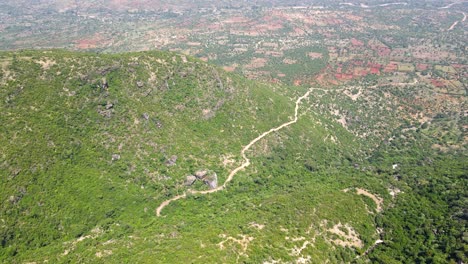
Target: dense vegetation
{"x": 91, "y": 144}
{"x": 427, "y": 223}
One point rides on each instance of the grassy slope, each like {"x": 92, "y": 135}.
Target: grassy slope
{"x": 65, "y": 198}
{"x": 58, "y": 139}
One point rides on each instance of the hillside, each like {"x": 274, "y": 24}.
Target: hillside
{"x": 92, "y": 144}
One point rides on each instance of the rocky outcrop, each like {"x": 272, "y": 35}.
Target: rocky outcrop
{"x": 200, "y": 174}
{"x": 210, "y": 178}
{"x": 189, "y": 180}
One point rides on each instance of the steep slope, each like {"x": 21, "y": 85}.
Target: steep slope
{"x": 70, "y": 120}
{"x": 92, "y": 144}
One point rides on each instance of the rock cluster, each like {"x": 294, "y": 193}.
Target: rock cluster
{"x": 210, "y": 178}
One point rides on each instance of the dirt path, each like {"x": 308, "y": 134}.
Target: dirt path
{"x": 367, "y": 6}
{"x": 456, "y": 22}
{"x": 453, "y": 25}
{"x": 450, "y": 5}
{"x": 246, "y": 161}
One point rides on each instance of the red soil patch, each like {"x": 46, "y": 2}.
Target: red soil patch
{"x": 422, "y": 67}
{"x": 356, "y": 42}
{"x": 360, "y": 71}
{"x": 94, "y": 41}
{"x": 437, "y": 83}
{"x": 86, "y": 44}
{"x": 374, "y": 65}
{"x": 391, "y": 67}
{"x": 257, "y": 63}
{"x": 299, "y": 32}
{"x": 229, "y": 68}
{"x": 380, "y": 48}
{"x": 341, "y": 76}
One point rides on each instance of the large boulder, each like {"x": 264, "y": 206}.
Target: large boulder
{"x": 201, "y": 174}
{"x": 189, "y": 180}
{"x": 211, "y": 180}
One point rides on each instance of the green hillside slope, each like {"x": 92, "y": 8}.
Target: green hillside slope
{"x": 92, "y": 144}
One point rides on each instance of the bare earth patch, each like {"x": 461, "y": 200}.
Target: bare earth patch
{"x": 231, "y": 68}
{"x": 296, "y": 251}
{"x": 96, "y": 232}
{"x": 342, "y": 119}
{"x": 347, "y": 236}
{"x": 104, "y": 253}
{"x": 227, "y": 160}
{"x": 243, "y": 242}
{"x": 394, "y": 192}
{"x": 256, "y": 225}
{"x": 46, "y": 63}
{"x": 257, "y": 63}
{"x": 378, "y": 200}
{"x": 353, "y": 97}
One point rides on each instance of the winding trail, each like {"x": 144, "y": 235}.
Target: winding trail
{"x": 458, "y": 21}
{"x": 450, "y": 5}
{"x": 244, "y": 164}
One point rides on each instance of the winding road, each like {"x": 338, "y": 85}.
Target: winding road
{"x": 246, "y": 161}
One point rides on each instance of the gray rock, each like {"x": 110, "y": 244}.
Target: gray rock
{"x": 14, "y": 199}
{"x": 139, "y": 84}
{"x": 109, "y": 105}
{"x": 201, "y": 174}
{"x": 145, "y": 116}
{"x": 211, "y": 180}
{"x": 115, "y": 157}
{"x": 104, "y": 83}
{"x": 189, "y": 180}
